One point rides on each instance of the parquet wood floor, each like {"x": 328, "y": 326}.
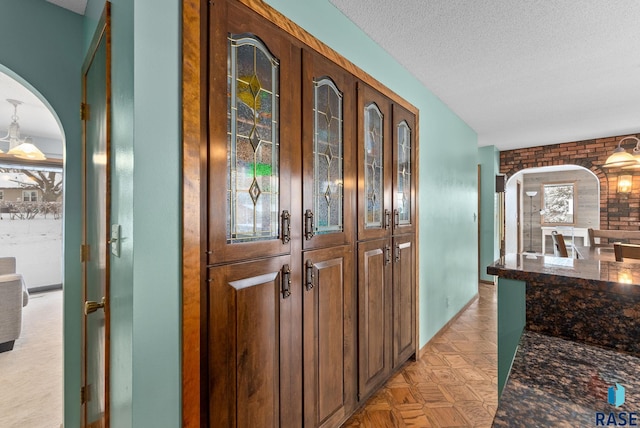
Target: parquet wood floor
{"x": 454, "y": 384}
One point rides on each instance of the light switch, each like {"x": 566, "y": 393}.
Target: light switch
{"x": 115, "y": 240}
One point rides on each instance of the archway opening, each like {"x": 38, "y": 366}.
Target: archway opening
{"x": 31, "y": 219}
{"x": 540, "y": 200}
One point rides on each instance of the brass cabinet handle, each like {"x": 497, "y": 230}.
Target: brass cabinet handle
{"x": 286, "y": 226}
{"x": 387, "y": 219}
{"x": 396, "y": 218}
{"x": 308, "y": 225}
{"x": 286, "y": 281}
{"x": 90, "y": 307}
{"x": 309, "y": 274}
{"x": 397, "y": 253}
{"x": 387, "y": 255}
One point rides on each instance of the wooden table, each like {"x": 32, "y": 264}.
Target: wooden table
{"x": 595, "y": 253}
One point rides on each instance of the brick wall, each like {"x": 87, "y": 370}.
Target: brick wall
{"x": 616, "y": 211}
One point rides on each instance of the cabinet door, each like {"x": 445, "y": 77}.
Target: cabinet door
{"x": 328, "y": 104}
{"x": 374, "y": 314}
{"x": 404, "y": 299}
{"x": 404, "y": 149}
{"x": 254, "y": 128}
{"x": 329, "y": 336}
{"x": 374, "y": 164}
{"x": 252, "y": 351}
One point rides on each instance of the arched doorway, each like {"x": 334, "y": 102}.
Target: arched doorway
{"x": 527, "y": 218}
{"x": 31, "y": 191}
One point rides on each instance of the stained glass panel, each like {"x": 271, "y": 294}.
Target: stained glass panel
{"x": 403, "y": 196}
{"x": 328, "y": 157}
{"x": 373, "y": 166}
{"x": 252, "y": 141}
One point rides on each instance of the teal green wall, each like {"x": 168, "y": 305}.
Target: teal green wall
{"x": 42, "y": 48}
{"x": 145, "y": 279}
{"x": 448, "y": 159}
{"x": 489, "y": 160}
{"x": 157, "y": 214}
{"x": 512, "y": 313}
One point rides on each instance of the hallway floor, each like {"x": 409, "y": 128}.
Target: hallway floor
{"x": 453, "y": 385}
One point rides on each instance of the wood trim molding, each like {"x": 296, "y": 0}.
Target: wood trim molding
{"x": 281, "y": 21}
{"x": 417, "y": 234}
{"x": 193, "y": 187}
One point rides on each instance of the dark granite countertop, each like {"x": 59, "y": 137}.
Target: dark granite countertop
{"x": 558, "y": 383}
{"x": 611, "y": 276}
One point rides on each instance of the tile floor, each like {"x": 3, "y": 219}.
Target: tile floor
{"x": 453, "y": 385}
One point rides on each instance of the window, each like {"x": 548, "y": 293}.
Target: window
{"x": 1, "y": 195}
{"x": 29, "y": 196}
{"x": 558, "y": 203}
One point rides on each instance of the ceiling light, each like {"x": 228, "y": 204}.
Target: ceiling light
{"x": 620, "y": 158}
{"x": 20, "y": 147}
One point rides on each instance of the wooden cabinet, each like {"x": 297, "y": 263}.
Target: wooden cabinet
{"x": 404, "y": 165}
{"x": 254, "y": 129}
{"x": 328, "y": 210}
{"x": 386, "y": 236}
{"x": 404, "y": 299}
{"x": 374, "y": 314}
{"x": 297, "y": 331}
{"x": 374, "y": 164}
{"x": 328, "y": 139}
{"x": 252, "y": 330}
{"x": 329, "y": 340}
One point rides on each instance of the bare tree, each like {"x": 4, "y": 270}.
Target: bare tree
{"x": 48, "y": 182}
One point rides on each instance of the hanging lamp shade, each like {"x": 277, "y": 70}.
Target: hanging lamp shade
{"x": 27, "y": 150}
{"x": 22, "y": 148}
{"x": 620, "y": 158}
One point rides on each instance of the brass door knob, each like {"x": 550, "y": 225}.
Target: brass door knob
{"x": 90, "y": 307}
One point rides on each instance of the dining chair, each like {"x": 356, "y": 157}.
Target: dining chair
{"x": 559, "y": 247}
{"x": 626, "y": 251}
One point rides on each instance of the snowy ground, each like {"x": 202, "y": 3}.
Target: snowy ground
{"x": 37, "y": 246}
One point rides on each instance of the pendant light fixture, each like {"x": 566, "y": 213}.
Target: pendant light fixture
{"x": 621, "y": 159}
{"x": 636, "y": 155}
{"x": 22, "y": 148}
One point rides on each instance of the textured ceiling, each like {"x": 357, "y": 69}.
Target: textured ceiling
{"x": 520, "y": 73}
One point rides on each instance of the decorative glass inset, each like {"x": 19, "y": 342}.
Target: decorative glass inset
{"x": 328, "y": 157}
{"x": 253, "y": 179}
{"x": 403, "y": 195}
{"x": 373, "y": 166}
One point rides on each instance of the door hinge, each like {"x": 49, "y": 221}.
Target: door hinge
{"x": 83, "y": 395}
{"x": 84, "y": 111}
{"x": 85, "y": 253}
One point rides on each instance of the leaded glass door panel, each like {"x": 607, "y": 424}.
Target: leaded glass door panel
{"x": 250, "y": 149}
{"x": 374, "y": 164}
{"x": 404, "y": 148}
{"x": 328, "y": 151}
